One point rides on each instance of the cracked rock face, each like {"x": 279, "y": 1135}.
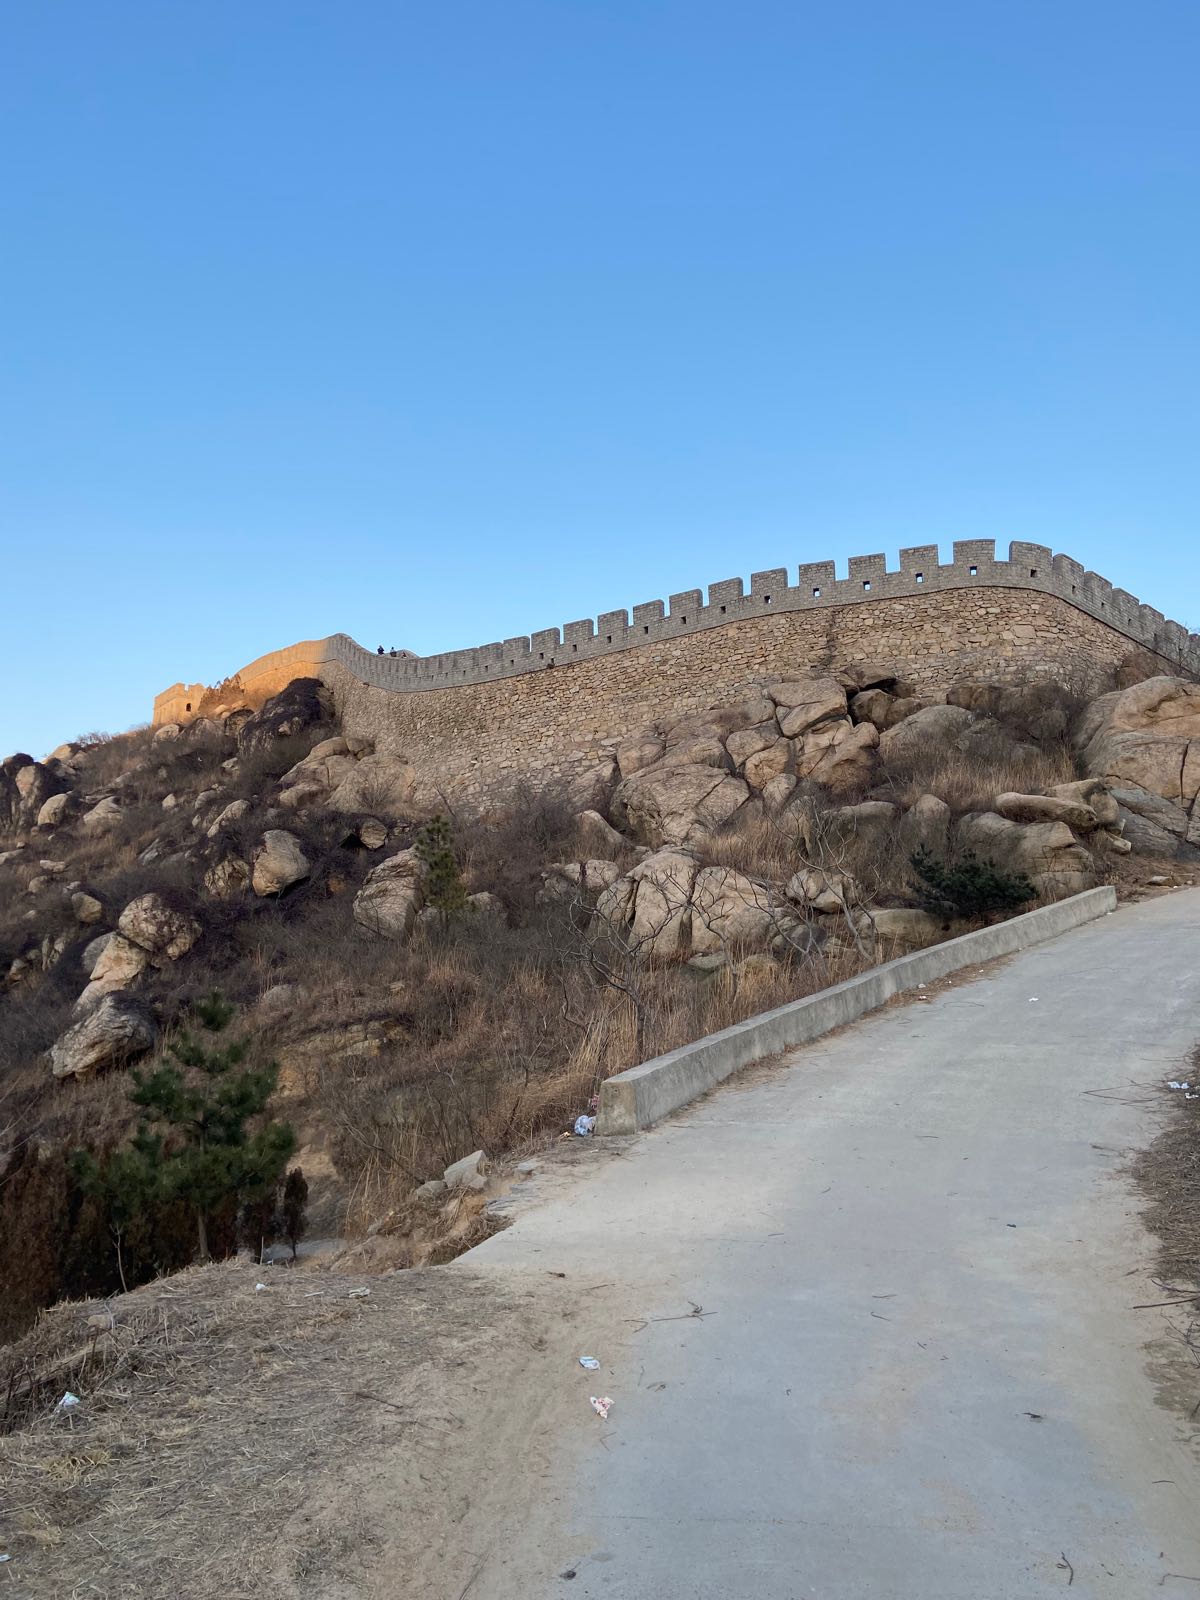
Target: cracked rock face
{"x": 278, "y": 863}
{"x": 1144, "y": 742}
{"x": 117, "y": 1030}
{"x": 391, "y": 896}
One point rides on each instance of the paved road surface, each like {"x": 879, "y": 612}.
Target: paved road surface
{"x": 917, "y": 1375}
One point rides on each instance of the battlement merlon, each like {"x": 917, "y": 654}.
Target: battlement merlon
{"x": 1030, "y": 567}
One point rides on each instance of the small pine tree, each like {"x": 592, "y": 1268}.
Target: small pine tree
{"x": 293, "y": 1208}
{"x": 206, "y": 1096}
{"x": 445, "y": 890}
{"x": 968, "y": 888}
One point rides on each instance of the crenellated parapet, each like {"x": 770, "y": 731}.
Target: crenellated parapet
{"x": 817, "y": 587}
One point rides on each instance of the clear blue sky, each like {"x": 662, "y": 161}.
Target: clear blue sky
{"x": 439, "y": 323}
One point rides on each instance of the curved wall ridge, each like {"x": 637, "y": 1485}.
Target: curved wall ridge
{"x": 975, "y": 565}
{"x": 1032, "y": 568}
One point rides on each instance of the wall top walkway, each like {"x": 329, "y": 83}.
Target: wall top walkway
{"x": 1031, "y": 567}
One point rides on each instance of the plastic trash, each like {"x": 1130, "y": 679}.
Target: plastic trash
{"x": 601, "y": 1406}
{"x": 68, "y": 1401}
{"x": 359, "y": 1294}
{"x": 259, "y": 1287}
{"x": 584, "y": 1126}
{"x": 590, "y": 1363}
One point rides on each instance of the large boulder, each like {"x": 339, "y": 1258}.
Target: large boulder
{"x": 926, "y": 826}
{"x": 870, "y": 819}
{"x": 566, "y": 879}
{"x": 1047, "y": 853}
{"x": 102, "y": 816}
{"x": 115, "y": 1032}
{"x": 719, "y": 722}
{"x": 826, "y": 892}
{"x": 391, "y": 896}
{"x": 873, "y": 705}
{"x": 729, "y": 908}
{"x": 25, "y": 787}
{"x": 654, "y": 902}
{"x": 671, "y": 907}
{"x": 228, "y": 878}
{"x": 666, "y": 804}
{"x": 838, "y": 754}
{"x": 900, "y": 930}
{"x": 278, "y": 863}
{"x": 696, "y": 750}
{"x": 92, "y": 951}
{"x": 746, "y": 742}
{"x": 591, "y": 783}
{"x": 159, "y": 929}
{"x": 10, "y": 799}
{"x": 55, "y": 811}
{"x": 928, "y": 729}
{"x": 227, "y": 816}
{"x": 312, "y": 780}
{"x": 1037, "y": 711}
{"x": 1046, "y": 808}
{"x": 1163, "y": 705}
{"x": 1144, "y": 742}
{"x": 595, "y": 834}
{"x": 1153, "y": 825}
{"x": 304, "y": 704}
{"x": 86, "y": 907}
{"x": 642, "y": 750}
{"x": 805, "y": 703}
{"x": 35, "y": 784}
{"x": 379, "y": 783}
{"x": 770, "y": 762}
{"x": 1093, "y": 793}
{"x": 779, "y": 791}
{"x": 119, "y": 964}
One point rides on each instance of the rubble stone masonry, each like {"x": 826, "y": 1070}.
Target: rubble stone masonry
{"x": 538, "y": 704}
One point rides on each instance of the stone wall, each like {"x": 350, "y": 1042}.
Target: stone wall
{"x": 548, "y": 723}
{"x": 253, "y": 684}
{"x": 535, "y": 703}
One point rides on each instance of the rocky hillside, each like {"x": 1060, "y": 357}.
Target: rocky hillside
{"x": 427, "y": 992}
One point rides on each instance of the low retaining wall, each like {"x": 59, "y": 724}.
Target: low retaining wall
{"x": 643, "y": 1095}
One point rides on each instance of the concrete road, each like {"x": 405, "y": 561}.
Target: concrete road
{"x": 915, "y": 1373}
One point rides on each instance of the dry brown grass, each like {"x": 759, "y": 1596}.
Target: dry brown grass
{"x": 484, "y": 1033}
{"x": 500, "y": 1050}
{"x": 970, "y": 780}
{"x": 213, "y": 1414}
{"x": 766, "y": 846}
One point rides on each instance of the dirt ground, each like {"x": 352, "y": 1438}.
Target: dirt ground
{"x": 295, "y": 1440}
{"x": 1169, "y": 1175}
{"x": 305, "y": 1440}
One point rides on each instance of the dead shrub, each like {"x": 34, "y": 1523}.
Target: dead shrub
{"x": 260, "y": 766}
{"x": 105, "y": 757}
{"x": 761, "y": 845}
{"x": 505, "y": 849}
{"x": 970, "y": 779}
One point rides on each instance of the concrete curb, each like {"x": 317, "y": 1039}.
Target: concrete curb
{"x": 643, "y": 1095}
